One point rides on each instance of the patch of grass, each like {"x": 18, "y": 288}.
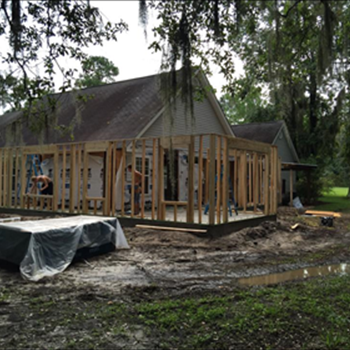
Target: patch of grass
{"x": 304, "y": 314}
{"x": 285, "y": 315}
{"x": 335, "y": 200}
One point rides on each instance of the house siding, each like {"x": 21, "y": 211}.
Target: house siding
{"x": 205, "y": 121}
{"x": 286, "y": 155}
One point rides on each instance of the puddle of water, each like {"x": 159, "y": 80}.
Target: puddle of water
{"x": 274, "y": 278}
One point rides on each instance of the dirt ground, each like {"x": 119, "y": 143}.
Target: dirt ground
{"x": 179, "y": 261}
{"x": 170, "y": 264}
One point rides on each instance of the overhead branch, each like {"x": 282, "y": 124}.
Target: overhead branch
{"x": 289, "y": 10}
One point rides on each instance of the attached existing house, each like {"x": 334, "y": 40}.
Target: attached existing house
{"x": 276, "y": 133}
{"x": 130, "y": 109}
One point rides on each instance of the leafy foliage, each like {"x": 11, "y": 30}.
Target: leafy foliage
{"x": 297, "y": 51}
{"x": 45, "y": 32}
{"x": 97, "y": 70}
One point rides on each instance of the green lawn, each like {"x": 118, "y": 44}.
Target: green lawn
{"x": 335, "y": 200}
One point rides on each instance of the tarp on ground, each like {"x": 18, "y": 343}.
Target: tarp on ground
{"x": 46, "y": 247}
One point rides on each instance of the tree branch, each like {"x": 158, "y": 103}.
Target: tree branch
{"x": 289, "y": 10}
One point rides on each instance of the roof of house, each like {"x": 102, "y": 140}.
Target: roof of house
{"x": 266, "y": 132}
{"x": 262, "y": 132}
{"x": 119, "y": 110}
{"x": 106, "y": 112}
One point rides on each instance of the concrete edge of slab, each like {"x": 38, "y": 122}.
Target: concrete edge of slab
{"x": 213, "y": 231}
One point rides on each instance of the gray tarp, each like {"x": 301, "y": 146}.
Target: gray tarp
{"x": 46, "y": 247}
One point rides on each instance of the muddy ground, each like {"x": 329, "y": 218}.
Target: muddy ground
{"x": 170, "y": 264}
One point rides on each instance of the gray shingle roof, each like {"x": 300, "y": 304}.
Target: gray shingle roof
{"x": 262, "y": 132}
{"x": 108, "y": 112}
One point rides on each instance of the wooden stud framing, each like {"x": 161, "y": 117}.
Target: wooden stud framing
{"x": 235, "y": 177}
{"x": 143, "y": 170}
{"x": 106, "y": 205}
{"x": 291, "y": 187}
{"x": 244, "y": 181}
{"x": 63, "y": 192}
{"x": 256, "y": 176}
{"x": 85, "y": 180}
{"x": 10, "y": 177}
{"x": 255, "y": 182}
{"x": 114, "y": 174}
{"x": 72, "y": 179}
{"x": 1, "y": 177}
{"x": 200, "y": 179}
{"x": 266, "y": 184}
{"x": 190, "y": 194}
{"x": 160, "y": 187}
{"x": 212, "y": 181}
{"x": 154, "y": 178}
{"x": 218, "y": 181}
{"x": 56, "y": 179}
{"x": 225, "y": 187}
{"x": 133, "y": 169}
{"x": 79, "y": 177}
{"x": 206, "y": 200}
{"x": 16, "y": 177}
{"x": 123, "y": 177}
{"x": 23, "y": 177}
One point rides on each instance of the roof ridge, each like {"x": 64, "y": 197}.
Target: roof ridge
{"x": 257, "y": 123}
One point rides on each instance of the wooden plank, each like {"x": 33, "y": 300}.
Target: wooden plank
{"x": 1, "y": 177}
{"x": 99, "y": 146}
{"x": 235, "y": 175}
{"x": 212, "y": 180}
{"x": 16, "y": 177}
{"x": 23, "y": 177}
{"x": 85, "y": 180}
{"x": 275, "y": 179}
{"x": 244, "y": 181}
{"x": 200, "y": 179}
{"x": 39, "y": 149}
{"x": 95, "y": 207}
{"x": 72, "y": 179}
{"x": 133, "y": 168}
{"x": 106, "y": 206}
{"x": 225, "y": 187}
{"x": 63, "y": 191}
{"x": 160, "y": 214}
{"x": 190, "y": 188}
{"x": 168, "y": 142}
{"x": 55, "y": 179}
{"x": 261, "y": 180}
{"x": 123, "y": 177}
{"x": 181, "y": 203}
{"x": 9, "y": 176}
{"x": 165, "y": 228}
{"x": 114, "y": 173}
{"x": 218, "y": 181}
{"x": 248, "y": 145}
{"x": 154, "y": 179}
{"x": 323, "y": 213}
{"x": 175, "y": 212}
{"x": 266, "y": 184}
{"x": 143, "y": 170}
{"x": 250, "y": 177}
{"x": 291, "y": 187}
{"x": 255, "y": 181}
{"x": 206, "y": 200}
{"x": 79, "y": 178}
{"x": 240, "y": 178}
